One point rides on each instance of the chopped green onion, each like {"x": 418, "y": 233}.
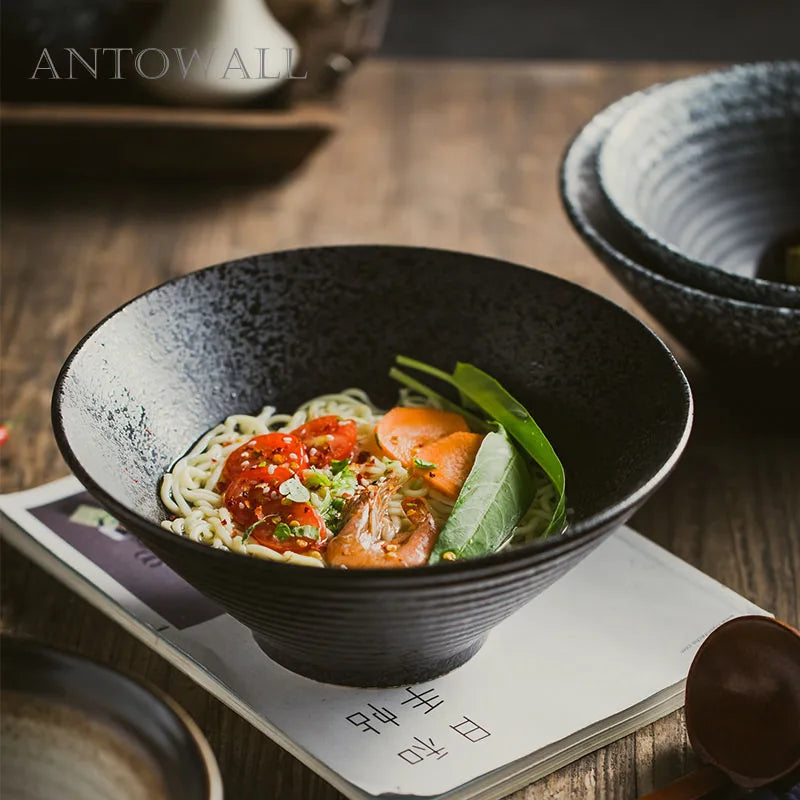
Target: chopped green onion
{"x": 316, "y": 479}
{"x": 420, "y": 463}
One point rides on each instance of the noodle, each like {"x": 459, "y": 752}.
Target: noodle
{"x": 198, "y": 512}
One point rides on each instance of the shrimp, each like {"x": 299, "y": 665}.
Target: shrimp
{"x": 362, "y": 541}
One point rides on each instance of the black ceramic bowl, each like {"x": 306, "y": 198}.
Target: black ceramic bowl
{"x": 280, "y": 328}
{"x": 756, "y": 346}
{"x": 705, "y": 173}
{"x": 76, "y": 730}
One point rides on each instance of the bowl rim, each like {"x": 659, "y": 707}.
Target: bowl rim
{"x": 586, "y": 529}
{"x": 657, "y": 96}
{"x": 14, "y": 644}
{"x": 574, "y": 153}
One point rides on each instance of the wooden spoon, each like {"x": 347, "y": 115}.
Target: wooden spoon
{"x": 742, "y": 708}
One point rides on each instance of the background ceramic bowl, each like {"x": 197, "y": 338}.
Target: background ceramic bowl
{"x": 705, "y": 173}
{"x": 753, "y": 345}
{"x": 75, "y": 730}
{"x": 280, "y": 328}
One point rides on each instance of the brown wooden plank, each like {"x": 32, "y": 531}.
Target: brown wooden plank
{"x": 458, "y": 155}
{"x": 310, "y": 115}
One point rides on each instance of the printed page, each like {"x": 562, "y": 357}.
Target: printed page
{"x": 618, "y": 629}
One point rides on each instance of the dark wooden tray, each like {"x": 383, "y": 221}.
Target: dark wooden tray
{"x": 84, "y": 139}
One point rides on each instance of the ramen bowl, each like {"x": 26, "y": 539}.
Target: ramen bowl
{"x": 280, "y": 328}
{"x": 704, "y": 173}
{"x": 77, "y": 730}
{"x": 753, "y": 346}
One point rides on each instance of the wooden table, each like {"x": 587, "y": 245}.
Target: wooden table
{"x": 456, "y": 155}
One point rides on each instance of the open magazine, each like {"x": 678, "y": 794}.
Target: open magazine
{"x": 602, "y": 652}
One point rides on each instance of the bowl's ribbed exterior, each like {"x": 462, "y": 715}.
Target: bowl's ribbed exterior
{"x": 366, "y": 632}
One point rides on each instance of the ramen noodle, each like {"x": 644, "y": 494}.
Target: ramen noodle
{"x": 295, "y": 487}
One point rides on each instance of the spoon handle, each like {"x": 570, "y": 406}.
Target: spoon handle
{"x": 695, "y": 785}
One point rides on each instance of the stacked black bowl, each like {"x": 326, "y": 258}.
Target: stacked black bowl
{"x": 689, "y": 192}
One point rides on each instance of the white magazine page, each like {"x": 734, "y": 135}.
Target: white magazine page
{"x": 619, "y": 628}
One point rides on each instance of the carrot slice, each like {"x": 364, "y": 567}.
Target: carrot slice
{"x": 402, "y": 431}
{"x": 453, "y": 456}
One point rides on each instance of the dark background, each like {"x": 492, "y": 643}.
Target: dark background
{"x": 711, "y": 30}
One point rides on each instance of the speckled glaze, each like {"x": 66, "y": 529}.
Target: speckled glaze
{"x": 748, "y": 343}
{"x": 705, "y": 174}
{"x": 76, "y": 730}
{"x": 283, "y": 327}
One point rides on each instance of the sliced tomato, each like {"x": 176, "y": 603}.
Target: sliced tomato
{"x": 282, "y": 449}
{"x": 294, "y": 516}
{"x": 328, "y": 439}
{"x": 253, "y": 489}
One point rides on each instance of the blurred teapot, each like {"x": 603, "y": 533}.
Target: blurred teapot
{"x": 218, "y": 51}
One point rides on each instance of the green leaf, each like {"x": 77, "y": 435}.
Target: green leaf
{"x": 339, "y": 465}
{"x": 490, "y": 396}
{"x": 487, "y": 393}
{"x": 282, "y": 532}
{"x": 248, "y": 531}
{"x": 314, "y": 479}
{"x": 420, "y": 463}
{"x": 496, "y": 494}
{"x": 306, "y": 532}
{"x": 343, "y": 482}
{"x": 292, "y": 489}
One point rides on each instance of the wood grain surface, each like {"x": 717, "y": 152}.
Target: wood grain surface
{"x": 455, "y": 155}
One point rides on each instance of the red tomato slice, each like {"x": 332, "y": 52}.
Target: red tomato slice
{"x": 293, "y": 515}
{"x": 328, "y": 439}
{"x": 269, "y": 448}
{"x": 252, "y": 489}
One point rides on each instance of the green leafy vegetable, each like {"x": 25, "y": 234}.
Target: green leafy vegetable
{"x": 282, "y": 532}
{"x": 248, "y": 531}
{"x": 306, "y": 532}
{"x": 420, "y": 463}
{"x": 343, "y": 482}
{"x": 486, "y": 393}
{"x": 494, "y": 497}
{"x": 333, "y": 514}
{"x": 339, "y": 465}
{"x": 314, "y": 479}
